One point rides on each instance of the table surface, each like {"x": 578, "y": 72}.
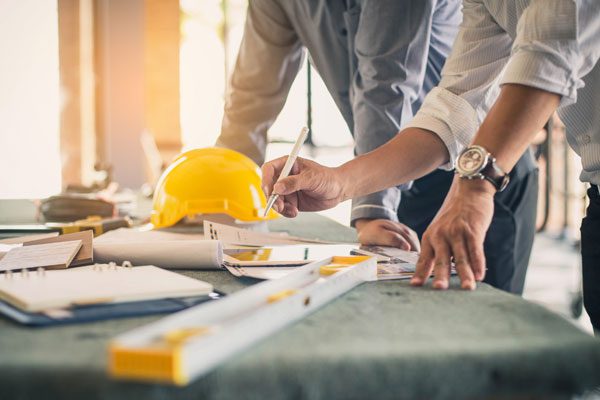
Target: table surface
{"x": 381, "y": 340}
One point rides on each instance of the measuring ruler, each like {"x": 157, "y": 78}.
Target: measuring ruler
{"x": 186, "y": 345}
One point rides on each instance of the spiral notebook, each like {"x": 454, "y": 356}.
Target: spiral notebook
{"x": 100, "y": 312}
{"x": 37, "y": 291}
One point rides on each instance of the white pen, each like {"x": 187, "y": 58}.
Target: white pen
{"x": 288, "y": 166}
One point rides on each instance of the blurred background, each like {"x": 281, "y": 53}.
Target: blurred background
{"x": 94, "y": 91}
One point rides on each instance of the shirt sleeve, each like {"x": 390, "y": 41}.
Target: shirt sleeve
{"x": 469, "y": 84}
{"x": 269, "y": 59}
{"x": 391, "y": 49}
{"x": 556, "y": 46}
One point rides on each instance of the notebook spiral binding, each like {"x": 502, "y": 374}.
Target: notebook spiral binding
{"x": 41, "y": 272}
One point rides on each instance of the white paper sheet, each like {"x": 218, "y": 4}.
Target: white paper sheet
{"x": 265, "y": 273}
{"x": 391, "y": 254}
{"x": 384, "y": 271}
{"x": 163, "y": 249}
{"x": 397, "y": 271}
{"x": 232, "y": 235}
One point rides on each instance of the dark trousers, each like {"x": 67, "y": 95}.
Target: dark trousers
{"x": 590, "y": 254}
{"x": 509, "y": 239}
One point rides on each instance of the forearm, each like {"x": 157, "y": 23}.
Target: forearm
{"x": 412, "y": 154}
{"x": 518, "y": 114}
{"x": 510, "y": 126}
{"x": 268, "y": 61}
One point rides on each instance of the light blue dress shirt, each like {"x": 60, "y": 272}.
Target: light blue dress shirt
{"x": 378, "y": 59}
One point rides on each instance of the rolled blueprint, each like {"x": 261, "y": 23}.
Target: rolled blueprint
{"x": 157, "y": 248}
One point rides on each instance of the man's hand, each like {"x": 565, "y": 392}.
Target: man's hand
{"x": 457, "y": 233}
{"x": 383, "y": 232}
{"x": 309, "y": 187}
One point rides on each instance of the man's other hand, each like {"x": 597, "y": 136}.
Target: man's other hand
{"x": 383, "y": 232}
{"x": 457, "y": 233}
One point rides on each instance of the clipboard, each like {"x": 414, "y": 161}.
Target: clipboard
{"x": 100, "y": 312}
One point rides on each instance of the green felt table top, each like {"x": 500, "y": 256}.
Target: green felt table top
{"x": 381, "y": 340}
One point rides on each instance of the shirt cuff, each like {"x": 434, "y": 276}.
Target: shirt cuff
{"x": 543, "y": 70}
{"x": 372, "y": 211}
{"x": 379, "y": 205}
{"x": 450, "y": 117}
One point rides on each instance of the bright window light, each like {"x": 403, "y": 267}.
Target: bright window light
{"x": 29, "y": 99}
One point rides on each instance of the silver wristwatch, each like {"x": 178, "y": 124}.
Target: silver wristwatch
{"x": 476, "y": 163}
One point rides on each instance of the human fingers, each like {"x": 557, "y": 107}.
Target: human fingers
{"x": 462, "y": 262}
{"x": 393, "y": 239}
{"x": 270, "y": 172}
{"x": 290, "y": 210}
{"x": 290, "y": 202}
{"x": 375, "y": 232}
{"x": 291, "y": 184}
{"x": 408, "y": 235}
{"x": 411, "y": 237}
{"x": 286, "y": 206}
{"x": 441, "y": 262}
{"x": 278, "y": 205}
{"x": 424, "y": 265}
{"x": 476, "y": 256}
{"x": 297, "y": 180}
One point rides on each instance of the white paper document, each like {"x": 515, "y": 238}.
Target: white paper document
{"x": 265, "y": 273}
{"x": 400, "y": 271}
{"x": 232, "y": 235}
{"x": 163, "y": 249}
{"x": 392, "y": 255}
{"x": 384, "y": 271}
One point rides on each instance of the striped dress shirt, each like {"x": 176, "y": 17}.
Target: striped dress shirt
{"x": 552, "y": 45}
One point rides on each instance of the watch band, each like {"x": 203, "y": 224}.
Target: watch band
{"x": 493, "y": 174}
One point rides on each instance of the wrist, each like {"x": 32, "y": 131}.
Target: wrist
{"x": 476, "y": 163}
{"x": 361, "y": 222}
{"x": 476, "y": 186}
{"x": 343, "y": 175}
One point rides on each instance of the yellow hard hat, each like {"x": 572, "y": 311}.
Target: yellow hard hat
{"x": 209, "y": 181}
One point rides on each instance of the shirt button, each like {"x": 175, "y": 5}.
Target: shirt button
{"x": 587, "y": 139}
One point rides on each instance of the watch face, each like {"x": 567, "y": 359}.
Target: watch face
{"x": 471, "y": 161}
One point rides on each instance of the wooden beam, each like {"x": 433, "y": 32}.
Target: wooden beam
{"x": 161, "y": 74}
{"x": 70, "y": 120}
{"x": 77, "y": 133}
{"x": 120, "y": 116}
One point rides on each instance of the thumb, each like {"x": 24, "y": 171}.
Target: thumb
{"x": 290, "y": 184}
